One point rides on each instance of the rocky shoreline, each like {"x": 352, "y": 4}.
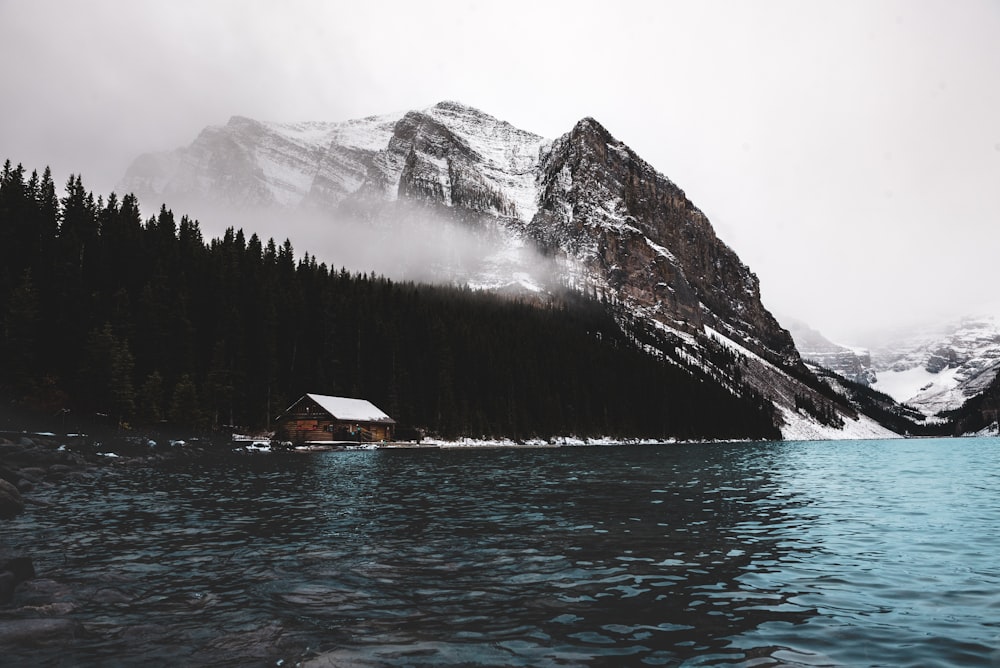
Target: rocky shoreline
{"x": 35, "y": 611}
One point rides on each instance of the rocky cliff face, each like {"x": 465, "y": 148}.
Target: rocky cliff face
{"x": 644, "y": 240}
{"x": 851, "y": 363}
{"x": 607, "y": 219}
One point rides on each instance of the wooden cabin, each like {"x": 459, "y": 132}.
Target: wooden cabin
{"x": 317, "y": 418}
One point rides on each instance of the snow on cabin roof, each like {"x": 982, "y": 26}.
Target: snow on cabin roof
{"x": 343, "y": 408}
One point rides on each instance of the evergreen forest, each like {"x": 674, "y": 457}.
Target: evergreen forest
{"x": 109, "y": 319}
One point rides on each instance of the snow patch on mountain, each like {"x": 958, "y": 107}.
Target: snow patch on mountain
{"x": 905, "y": 384}
{"x": 509, "y": 156}
{"x": 939, "y": 369}
{"x": 735, "y": 347}
{"x": 367, "y": 134}
{"x": 799, "y": 427}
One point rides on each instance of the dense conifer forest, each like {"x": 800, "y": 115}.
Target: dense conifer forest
{"x": 110, "y": 319}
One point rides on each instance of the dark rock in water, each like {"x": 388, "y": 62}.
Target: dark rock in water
{"x": 11, "y": 502}
{"x": 28, "y": 477}
{"x": 32, "y": 473}
{"x": 7, "y": 584}
{"x": 60, "y": 470}
{"x": 109, "y": 595}
{"x": 41, "y": 593}
{"x": 13, "y": 572}
{"x": 22, "y": 568}
{"x": 45, "y": 632}
{"x": 11, "y": 475}
{"x": 76, "y": 476}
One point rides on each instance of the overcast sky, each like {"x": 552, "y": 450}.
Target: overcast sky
{"x": 849, "y": 151}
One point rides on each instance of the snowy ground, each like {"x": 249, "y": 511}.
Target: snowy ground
{"x": 799, "y": 427}
{"x": 906, "y": 385}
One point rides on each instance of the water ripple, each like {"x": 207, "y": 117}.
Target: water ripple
{"x": 867, "y": 553}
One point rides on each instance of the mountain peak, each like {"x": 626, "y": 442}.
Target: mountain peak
{"x": 590, "y": 127}
{"x": 236, "y": 121}
{"x": 451, "y": 112}
{"x": 454, "y": 105}
{"x": 609, "y": 223}
{"x": 590, "y": 123}
{"x": 451, "y": 108}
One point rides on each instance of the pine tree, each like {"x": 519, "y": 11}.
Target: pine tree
{"x": 151, "y": 400}
{"x": 20, "y": 333}
{"x": 185, "y": 409}
{"x": 106, "y": 375}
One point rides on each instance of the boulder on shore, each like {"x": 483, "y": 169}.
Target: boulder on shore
{"x": 11, "y": 502}
{"x": 13, "y": 572}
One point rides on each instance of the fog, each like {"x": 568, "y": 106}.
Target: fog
{"x": 404, "y": 241}
{"x": 847, "y": 150}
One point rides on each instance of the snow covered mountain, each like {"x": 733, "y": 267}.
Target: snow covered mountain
{"x": 581, "y": 211}
{"x": 939, "y": 369}
{"x": 852, "y": 363}
{"x": 932, "y": 369}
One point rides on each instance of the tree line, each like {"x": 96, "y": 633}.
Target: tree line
{"x": 110, "y": 318}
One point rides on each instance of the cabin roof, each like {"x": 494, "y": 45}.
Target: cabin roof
{"x": 350, "y": 410}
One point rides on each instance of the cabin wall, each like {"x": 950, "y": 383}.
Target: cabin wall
{"x": 302, "y": 429}
{"x": 306, "y": 429}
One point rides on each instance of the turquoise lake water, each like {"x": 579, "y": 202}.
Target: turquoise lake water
{"x": 866, "y": 553}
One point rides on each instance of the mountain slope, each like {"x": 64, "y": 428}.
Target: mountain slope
{"x": 853, "y": 364}
{"x": 642, "y": 237}
{"x": 939, "y": 369}
{"x": 606, "y": 222}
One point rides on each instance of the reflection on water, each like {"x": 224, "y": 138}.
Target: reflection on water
{"x": 868, "y": 553}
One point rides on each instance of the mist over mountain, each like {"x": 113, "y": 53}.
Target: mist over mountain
{"x": 453, "y": 194}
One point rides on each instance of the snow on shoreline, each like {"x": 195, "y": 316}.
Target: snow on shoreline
{"x": 570, "y": 441}
{"x": 801, "y": 430}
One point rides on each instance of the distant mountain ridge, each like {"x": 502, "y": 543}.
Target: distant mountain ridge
{"x": 941, "y": 371}
{"x": 608, "y": 221}
{"x": 938, "y": 369}
{"x": 851, "y": 363}
{"x": 249, "y": 163}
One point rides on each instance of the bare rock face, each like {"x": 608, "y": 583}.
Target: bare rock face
{"x": 440, "y": 166}
{"x": 640, "y": 233}
{"x": 853, "y": 364}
